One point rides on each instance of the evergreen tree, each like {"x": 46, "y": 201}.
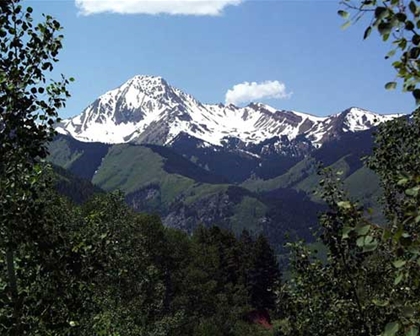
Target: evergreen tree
{"x": 265, "y": 275}
{"x": 246, "y": 248}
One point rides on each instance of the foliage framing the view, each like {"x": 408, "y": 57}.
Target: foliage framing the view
{"x": 369, "y": 283}
{"x": 28, "y": 110}
{"x": 397, "y": 21}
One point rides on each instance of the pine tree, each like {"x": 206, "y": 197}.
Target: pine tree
{"x": 246, "y": 250}
{"x": 264, "y": 276}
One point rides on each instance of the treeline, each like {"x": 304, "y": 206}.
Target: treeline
{"x": 77, "y": 189}
{"x": 101, "y": 269}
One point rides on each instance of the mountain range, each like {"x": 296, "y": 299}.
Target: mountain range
{"x": 146, "y": 109}
{"x": 251, "y": 167}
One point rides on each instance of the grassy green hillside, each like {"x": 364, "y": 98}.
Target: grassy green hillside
{"x": 131, "y": 168}
{"x": 344, "y": 155}
{"x": 362, "y": 184}
{"x": 247, "y": 214}
{"x": 294, "y": 175}
{"x": 80, "y": 158}
{"x": 157, "y": 179}
{"x": 62, "y": 154}
{"x": 140, "y": 172}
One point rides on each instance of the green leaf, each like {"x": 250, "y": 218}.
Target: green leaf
{"x": 380, "y": 303}
{"x": 414, "y": 52}
{"x": 360, "y": 241}
{"x": 371, "y": 246}
{"x": 403, "y": 44}
{"x": 415, "y": 39}
{"x": 413, "y": 331}
{"x": 345, "y": 25}
{"x": 368, "y": 240}
{"x": 344, "y": 204}
{"x": 399, "y": 263}
{"x": 367, "y": 32}
{"x": 408, "y": 311}
{"x": 391, "y": 328}
{"x": 416, "y": 94}
{"x": 385, "y": 29}
{"x": 414, "y": 250}
{"x": 398, "y": 278}
{"x": 380, "y": 12}
{"x": 402, "y": 181}
{"x": 413, "y": 191}
{"x": 413, "y": 7}
{"x": 401, "y": 17}
{"x": 343, "y": 14}
{"x": 363, "y": 230}
{"x": 346, "y": 231}
{"x": 390, "y": 54}
{"x": 409, "y": 25}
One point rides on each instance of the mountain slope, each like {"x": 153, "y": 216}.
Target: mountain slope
{"x": 75, "y": 188}
{"x": 343, "y": 155}
{"x": 80, "y": 158}
{"x": 157, "y": 179}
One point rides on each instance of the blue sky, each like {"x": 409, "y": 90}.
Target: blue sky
{"x": 297, "y": 47}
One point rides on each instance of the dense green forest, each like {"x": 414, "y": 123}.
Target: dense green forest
{"x": 99, "y": 268}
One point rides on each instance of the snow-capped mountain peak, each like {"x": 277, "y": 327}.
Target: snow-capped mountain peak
{"x": 358, "y": 119}
{"x": 146, "y": 109}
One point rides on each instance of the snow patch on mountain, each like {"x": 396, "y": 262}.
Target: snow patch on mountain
{"x": 146, "y": 109}
{"x": 357, "y": 119}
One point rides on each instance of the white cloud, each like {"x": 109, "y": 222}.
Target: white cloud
{"x": 152, "y": 7}
{"x": 247, "y": 92}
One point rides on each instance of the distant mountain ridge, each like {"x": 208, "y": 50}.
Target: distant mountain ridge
{"x": 147, "y": 110}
